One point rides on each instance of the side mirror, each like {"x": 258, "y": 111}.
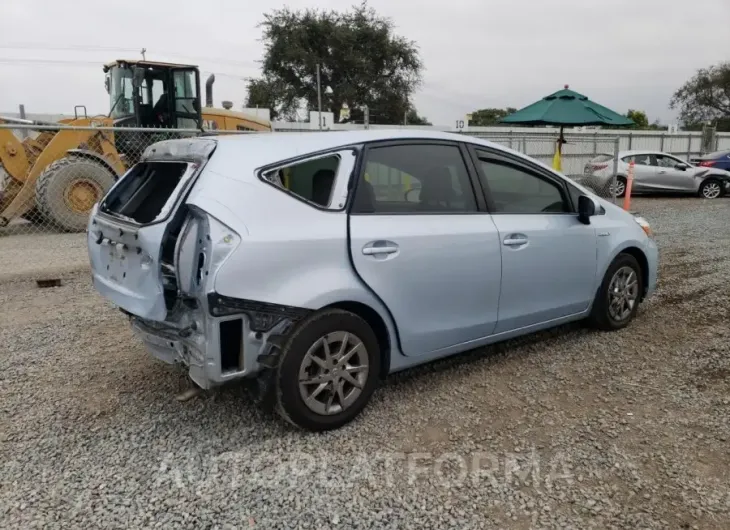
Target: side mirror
{"x": 681, "y": 167}
{"x": 586, "y": 209}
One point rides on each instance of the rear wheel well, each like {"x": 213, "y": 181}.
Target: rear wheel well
{"x": 369, "y": 315}
{"x": 640, "y": 257}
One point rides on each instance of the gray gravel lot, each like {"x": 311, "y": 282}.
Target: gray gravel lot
{"x": 568, "y": 429}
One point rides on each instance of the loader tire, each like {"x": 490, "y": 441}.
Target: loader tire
{"x": 68, "y": 188}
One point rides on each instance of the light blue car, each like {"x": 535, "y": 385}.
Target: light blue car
{"x": 317, "y": 263}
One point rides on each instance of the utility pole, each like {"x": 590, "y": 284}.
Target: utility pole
{"x": 143, "y": 52}
{"x": 319, "y": 99}
{"x": 367, "y": 117}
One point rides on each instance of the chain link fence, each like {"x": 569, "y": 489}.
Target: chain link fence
{"x": 592, "y": 161}
{"x": 52, "y": 175}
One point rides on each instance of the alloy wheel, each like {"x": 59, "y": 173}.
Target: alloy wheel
{"x": 333, "y": 373}
{"x": 711, "y": 190}
{"x": 619, "y": 187}
{"x": 623, "y": 293}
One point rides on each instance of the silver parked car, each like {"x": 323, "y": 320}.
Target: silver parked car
{"x": 654, "y": 172}
{"x": 307, "y": 263}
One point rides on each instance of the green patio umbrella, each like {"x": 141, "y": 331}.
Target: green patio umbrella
{"x": 566, "y": 107}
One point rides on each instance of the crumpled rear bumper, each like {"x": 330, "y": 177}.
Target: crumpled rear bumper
{"x": 170, "y": 345}
{"x": 197, "y": 344}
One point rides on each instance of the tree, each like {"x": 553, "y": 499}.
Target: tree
{"x": 360, "y": 58}
{"x": 270, "y": 94}
{"x": 705, "y": 97}
{"x": 641, "y": 121}
{"x": 412, "y": 118}
{"x": 487, "y": 117}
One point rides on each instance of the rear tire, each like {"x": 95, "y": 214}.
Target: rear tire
{"x": 711, "y": 189}
{"x": 316, "y": 394}
{"x": 620, "y": 187}
{"x": 68, "y": 188}
{"x": 619, "y": 295}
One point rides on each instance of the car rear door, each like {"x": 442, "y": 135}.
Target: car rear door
{"x": 128, "y": 229}
{"x": 645, "y": 172}
{"x": 422, "y": 240}
{"x": 548, "y": 256}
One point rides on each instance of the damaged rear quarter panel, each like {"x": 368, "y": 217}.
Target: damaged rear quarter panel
{"x": 290, "y": 253}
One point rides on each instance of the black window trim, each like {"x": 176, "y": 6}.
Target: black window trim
{"x": 476, "y": 189}
{"x": 331, "y": 151}
{"x": 522, "y": 165}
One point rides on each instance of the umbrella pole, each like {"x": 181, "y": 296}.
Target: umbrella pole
{"x": 557, "y": 159}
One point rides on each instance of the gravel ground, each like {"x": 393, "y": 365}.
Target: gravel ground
{"x": 37, "y": 255}
{"x": 567, "y": 429}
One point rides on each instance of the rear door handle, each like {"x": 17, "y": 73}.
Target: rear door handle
{"x": 515, "y": 240}
{"x": 383, "y": 248}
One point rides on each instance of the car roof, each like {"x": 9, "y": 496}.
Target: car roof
{"x": 266, "y": 148}
{"x": 622, "y": 154}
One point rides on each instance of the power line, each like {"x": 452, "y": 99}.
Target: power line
{"x": 76, "y": 62}
{"x": 67, "y": 47}
{"x": 94, "y": 48}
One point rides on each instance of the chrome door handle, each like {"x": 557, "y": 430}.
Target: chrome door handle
{"x": 373, "y": 251}
{"x": 515, "y": 241}
{"x": 662, "y": 172}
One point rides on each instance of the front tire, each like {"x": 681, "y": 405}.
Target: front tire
{"x": 618, "y": 297}
{"x": 327, "y": 371}
{"x": 710, "y": 189}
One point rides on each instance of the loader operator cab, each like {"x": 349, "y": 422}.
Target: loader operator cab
{"x": 151, "y": 94}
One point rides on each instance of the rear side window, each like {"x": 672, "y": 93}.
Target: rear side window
{"x": 639, "y": 160}
{"x": 415, "y": 179}
{"x": 311, "y": 180}
{"x": 143, "y": 192}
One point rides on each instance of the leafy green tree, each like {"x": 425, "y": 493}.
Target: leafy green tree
{"x": 641, "y": 121}
{"x": 360, "y": 58}
{"x": 705, "y": 98}
{"x": 412, "y": 118}
{"x": 487, "y": 117}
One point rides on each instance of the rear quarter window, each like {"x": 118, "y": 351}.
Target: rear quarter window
{"x": 313, "y": 181}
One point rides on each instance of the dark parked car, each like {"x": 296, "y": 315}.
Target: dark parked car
{"x": 716, "y": 160}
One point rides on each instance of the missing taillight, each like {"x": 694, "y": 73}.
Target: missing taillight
{"x": 231, "y": 344}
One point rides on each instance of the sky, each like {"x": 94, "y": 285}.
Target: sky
{"x": 477, "y": 53}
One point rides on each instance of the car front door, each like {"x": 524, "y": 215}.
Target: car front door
{"x": 671, "y": 178}
{"x": 422, "y": 241}
{"x": 548, "y": 256}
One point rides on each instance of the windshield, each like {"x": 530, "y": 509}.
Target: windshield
{"x": 120, "y": 93}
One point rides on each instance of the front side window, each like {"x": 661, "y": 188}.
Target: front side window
{"x": 415, "y": 178}
{"x": 516, "y": 190}
{"x": 667, "y": 161}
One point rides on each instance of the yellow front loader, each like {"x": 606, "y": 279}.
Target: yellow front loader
{"x": 56, "y": 177}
